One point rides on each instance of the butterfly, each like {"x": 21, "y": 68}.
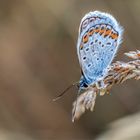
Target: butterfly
{"x": 99, "y": 38}
{"x": 98, "y": 41}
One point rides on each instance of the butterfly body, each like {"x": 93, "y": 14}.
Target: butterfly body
{"x": 98, "y": 41}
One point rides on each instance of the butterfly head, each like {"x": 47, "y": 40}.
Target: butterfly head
{"x": 83, "y": 85}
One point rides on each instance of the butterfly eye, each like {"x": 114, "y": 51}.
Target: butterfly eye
{"x": 85, "y": 85}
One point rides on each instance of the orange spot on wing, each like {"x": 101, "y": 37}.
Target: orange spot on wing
{"x": 114, "y": 35}
{"x": 102, "y": 31}
{"x": 107, "y": 32}
{"x": 91, "y": 32}
{"x": 81, "y": 47}
{"x": 85, "y": 38}
{"x": 97, "y": 30}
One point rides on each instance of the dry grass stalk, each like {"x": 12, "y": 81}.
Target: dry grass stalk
{"x": 118, "y": 73}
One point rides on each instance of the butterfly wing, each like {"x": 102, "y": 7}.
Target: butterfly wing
{"x": 99, "y": 38}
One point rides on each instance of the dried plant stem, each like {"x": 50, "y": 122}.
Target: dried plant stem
{"x": 118, "y": 73}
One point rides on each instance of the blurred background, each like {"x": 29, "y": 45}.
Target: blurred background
{"x": 38, "y": 60}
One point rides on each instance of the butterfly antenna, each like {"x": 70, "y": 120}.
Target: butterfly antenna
{"x": 65, "y": 91}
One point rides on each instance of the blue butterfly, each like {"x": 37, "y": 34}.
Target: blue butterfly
{"x": 98, "y": 41}
{"x": 99, "y": 38}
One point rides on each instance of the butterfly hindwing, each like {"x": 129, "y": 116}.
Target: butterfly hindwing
{"x": 98, "y": 42}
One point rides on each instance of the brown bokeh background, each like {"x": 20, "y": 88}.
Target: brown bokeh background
{"x": 38, "y": 60}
